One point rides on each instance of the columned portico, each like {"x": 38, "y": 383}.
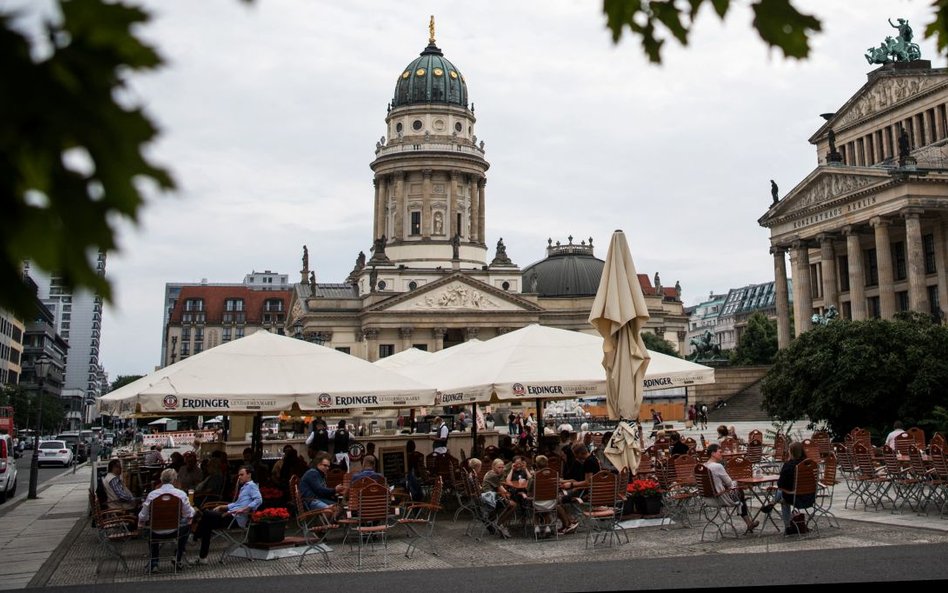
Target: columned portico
{"x": 828, "y": 268}
{"x": 918, "y": 294}
{"x": 783, "y": 296}
{"x": 802, "y": 297}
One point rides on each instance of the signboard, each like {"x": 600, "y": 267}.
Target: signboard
{"x": 392, "y": 463}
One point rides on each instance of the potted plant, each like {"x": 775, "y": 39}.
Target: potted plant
{"x": 646, "y": 496}
{"x": 268, "y": 526}
{"x": 272, "y": 497}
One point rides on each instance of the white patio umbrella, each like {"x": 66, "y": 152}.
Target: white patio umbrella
{"x": 619, "y": 313}
{"x": 160, "y": 422}
{"x": 397, "y": 361}
{"x": 262, "y": 373}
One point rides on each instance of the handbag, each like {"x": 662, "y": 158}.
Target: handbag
{"x": 798, "y": 524}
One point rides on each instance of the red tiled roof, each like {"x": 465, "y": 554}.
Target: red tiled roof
{"x": 215, "y": 296}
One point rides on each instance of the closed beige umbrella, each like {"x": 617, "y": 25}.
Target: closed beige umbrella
{"x": 619, "y": 313}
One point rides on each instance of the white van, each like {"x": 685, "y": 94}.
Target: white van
{"x": 7, "y": 467}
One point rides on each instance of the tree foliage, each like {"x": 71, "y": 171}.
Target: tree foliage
{"x": 25, "y": 408}
{"x": 758, "y": 343}
{"x": 778, "y": 22}
{"x": 862, "y": 373}
{"x": 71, "y": 162}
{"x": 657, "y": 344}
{"x": 123, "y": 380}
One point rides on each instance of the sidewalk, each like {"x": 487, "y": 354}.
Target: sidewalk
{"x": 49, "y": 542}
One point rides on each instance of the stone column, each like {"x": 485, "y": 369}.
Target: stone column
{"x": 470, "y": 333}
{"x": 474, "y": 224}
{"x": 884, "y": 265}
{"x": 915, "y": 258}
{"x": 372, "y": 344}
{"x": 828, "y": 269}
{"x": 438, "y": 334}
{"x": 426, "y": 215}
{"x": 379, "y": 207}
{"x": 940, "y": 247}
{"x": 857, "y": 280}
{"x": 405, "y": 334}
{"x": 401, "y": 190}
{"x": 452, "y": 223}
{"x": 782, "y": 296}
{"x": 802, "y": 297}
{"x": 481, "y": 229}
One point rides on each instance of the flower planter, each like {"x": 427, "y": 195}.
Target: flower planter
{"x": 648, "y": 505}
{"x": 267, "y": 532}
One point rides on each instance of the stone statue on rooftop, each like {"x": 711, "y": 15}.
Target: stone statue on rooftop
{"x": 500, "y": 258}
{"x": 774, "y": 191}
{"x": 456, "y": 246}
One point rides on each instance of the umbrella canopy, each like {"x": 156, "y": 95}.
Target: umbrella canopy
{"x": 537, "y": 362}
{"x": 160, "y": 422}
{"x": 619, "y": 313}
{"x": 397, "y": 361}
{"x": 265, "y": 372}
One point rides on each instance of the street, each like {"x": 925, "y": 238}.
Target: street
{"x": 23, "y": 473}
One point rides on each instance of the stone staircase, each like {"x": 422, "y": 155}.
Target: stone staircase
{"x": 742, "y": 407}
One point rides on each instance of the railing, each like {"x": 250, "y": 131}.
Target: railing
{"x": 429, "y": 147}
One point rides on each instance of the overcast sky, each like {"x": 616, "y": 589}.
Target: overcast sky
{"x": 270, "y": 114}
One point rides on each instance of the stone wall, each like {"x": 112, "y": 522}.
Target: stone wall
{"x": 728, "y": 382}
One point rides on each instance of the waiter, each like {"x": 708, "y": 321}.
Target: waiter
{"x": 441, "y": 437}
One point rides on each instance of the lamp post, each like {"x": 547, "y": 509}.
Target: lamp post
{"x": 40, "y": 370}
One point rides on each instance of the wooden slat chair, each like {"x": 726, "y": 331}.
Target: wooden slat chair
{"x": 372, "y": 521}
{"x": 555, "y": 463}
{"x": 692, "y": 444}
{"x": 334, "y": 477}
{"x": 872, "y": 488}
{"x": 646, "y": 466}
{"x": 903, "y": 485}
{"x": 480, "y": 517}
{"x": 847, "y": 467}
{"x": 112, "y": 531}
{"x": 466, "y": 503}
{"x": 419, "y": 520}
{"x": 939, "y": 476}
{"x": 676, "y": 500}
{"x": 314, "y": 525}
{"x": 904, "y": 442}
{"x": 165, "y": 517}
{"x": 861, "y": 435}
{"x": 755, "y": 435}
{"x": 925, "y": 493}
{"x": 755, "y": 451}
{"x": 919, "y": 435}
{"x": 603, "y": 509}
{"x": 806, "y": 478}
{"x": 684, "y": 470}
{"x": 351, "y": 505}
{"x": 739, "y": 468}
{"x": 718, "y": 508}
{"x": 780, "y": 445}
{"x": 937, "y": 439}
{"x": 823, "y": 442}
{"x": 811, "y": 450}
{"x": 730, "y": 445}
{"x": 825, "y": 489}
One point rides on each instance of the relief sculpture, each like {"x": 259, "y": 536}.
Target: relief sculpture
{"x": 828, "y": 188}
{"x": 457, "y": 296}
{"x": 885, "y": 94}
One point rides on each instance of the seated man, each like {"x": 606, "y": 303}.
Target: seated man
{"x": 167, "y": 479}
{"x": 584, "y": 464}
{"x": 896, "y": 431}
{"x": 153, "y": 456}
{"x": 190, "y": 475}
{"x": 119, "y": 498}
{"x": 369, "y": 464}
{"x": 247, "y": 501}
{"x": 495, "y": 496}
{"x": 786, "y": 484}
{"x": 723, "y": 483}
{"x": 313, "y": 489}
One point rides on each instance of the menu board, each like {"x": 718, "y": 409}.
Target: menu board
{"x": 392, "y": 463}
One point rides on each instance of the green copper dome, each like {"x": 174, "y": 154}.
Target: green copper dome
{"x": 430, "y": 78}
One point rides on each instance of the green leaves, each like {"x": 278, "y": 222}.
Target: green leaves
{"x": 777, "y": 21}
{"x": 758, "y": 342}
{"x": 71, "y": 150}
{"x": 783, "y": 26}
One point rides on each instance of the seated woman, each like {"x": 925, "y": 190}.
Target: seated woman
{"x": 678, "y": 447}
{"x": 785, "y": 486}
{"x": 542, "y": 462}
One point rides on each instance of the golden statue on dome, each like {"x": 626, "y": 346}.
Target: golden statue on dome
{"x": 431, "y": 34}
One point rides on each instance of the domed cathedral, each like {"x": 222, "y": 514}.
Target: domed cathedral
{"x": 428, "y": 280}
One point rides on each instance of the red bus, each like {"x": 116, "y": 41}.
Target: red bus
{"x": 6, "y": 421}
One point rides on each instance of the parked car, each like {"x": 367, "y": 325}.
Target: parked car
{"x": 80, "y": 449}
{"x": 54, "y": 452}
{"x": 8, "y": 473}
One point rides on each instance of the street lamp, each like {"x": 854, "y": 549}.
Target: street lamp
{"x": 40, "y": 370}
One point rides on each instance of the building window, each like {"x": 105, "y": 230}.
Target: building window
{"x": 225, "y": 334}
{"x": 873, "y": 304}
{"x": 386, "y": 350}
{"x": 238, "y": 333}
{"x": 898, "y": 260}
{"x": 872, "y": 267}
{"x": 902, "y": 301}
{"x": 816, "y": 283}
{"x": 199, "y": 334}
{"x": 185, "y": 334}
{"x": 273, "y": 306}
{"x": 234, "y": 305}
{"x": 842, "y": 264}
{"x": 194, "y": 305}
{"x": 933, "y": 301}
{"x": 185, "y": 348}
{"x": 343, "y": 349}
{"x": 928, "y": 244}
{"x": 847, "y": 310}
{"x": 415, "y": 223}
{"x": 198, "y": 347}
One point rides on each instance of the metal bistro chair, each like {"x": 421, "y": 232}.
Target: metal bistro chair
{"x": 112, "y": 531}
{"x": 543, "y": 500}
{"x": 372, "y": 522}
{"x": 314, "y": 525}
{"x": 603, "y": 509}
{"x": 163, "y": 527}
{"x": 420, "y": 518}
{"x": 805, "y": 482}
{"x": 718, "y": 508}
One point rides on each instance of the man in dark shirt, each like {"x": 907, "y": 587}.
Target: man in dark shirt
{"x": 313, "y": 489}
{"x": 369, "y": 463}
{"x": 576, "y": 482}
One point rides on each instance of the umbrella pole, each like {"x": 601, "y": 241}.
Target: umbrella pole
{"x": 474, "y": 451}
{"x": 411, "y": 421}
{"x": 256, "y": 438}
{"x": 540, "y": 432}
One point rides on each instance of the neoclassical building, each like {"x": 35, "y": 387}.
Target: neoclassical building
{"x": 865, "y": 230}
{"x": 429, "y": 281}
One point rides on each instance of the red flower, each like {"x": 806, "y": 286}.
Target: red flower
{"x": 274, "y": 514}
{"x": 644, "y": 487}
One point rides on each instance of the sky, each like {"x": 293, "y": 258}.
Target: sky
{"x": 270, "y": 113}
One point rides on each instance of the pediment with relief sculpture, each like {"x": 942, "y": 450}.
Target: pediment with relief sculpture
{"x": 822, "y": 188}
{"x": 456, "y": 293}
